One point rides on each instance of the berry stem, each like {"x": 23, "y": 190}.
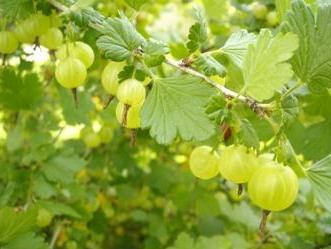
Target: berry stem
{"x": 110, "y": 98}
{"x": 125, "y": 114}
{"x": 74, "y": 94}
{"x": 263, "y": 222}
{"x": 240, "y": 189}
{"x": 4, "y": 57}
{"x": 133, "y": 137}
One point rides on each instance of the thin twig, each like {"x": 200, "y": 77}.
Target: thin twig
{"x": 259, "y": 108}
{"x": 55, "y": 236}
{"x": 254, "y": 105}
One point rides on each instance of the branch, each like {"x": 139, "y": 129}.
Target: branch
{"x": 259, "y": 108}
{"x": 59, "y": 6}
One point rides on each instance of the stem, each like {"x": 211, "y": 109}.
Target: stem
{"x": 259, "y": 108}
{"x": 133, "y": 137}
{"x": 240, "y": 189}
{"x": 263, "y": 222}
{"x": 255, "y": 106}
{"x": 110, "y": 98}
{"x": 291, "y": 90}
{"x": 125, "y": 114}
{"x": 58, "y": 5}
{"x": 74, "y": 94}
{"x": 55, "y": 236}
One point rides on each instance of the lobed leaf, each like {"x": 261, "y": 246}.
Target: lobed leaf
{"x": 175, "y": 107}
{"x": 265, "y": 69}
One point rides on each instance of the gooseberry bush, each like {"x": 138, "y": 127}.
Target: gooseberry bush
{"x": 165, "y": 124}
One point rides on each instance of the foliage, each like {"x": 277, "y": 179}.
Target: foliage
{"x": 215, "y": 75}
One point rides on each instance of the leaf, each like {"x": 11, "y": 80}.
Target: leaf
{"x": 57, "y": 208}
{"x": 209, "y": 65}
{"x": 248, "y": 134}
{"x": 82, "y": 4}
{"x": 282, "y": 6}
{"x": 175, "y": 107}
{"x": 13, "y": 224}
{"x": 28, "y": 240}
{"x": 120, "y": 39}
{"x": 136, "y": 4}
{"x": 13, "y": 9}
{"x": 19, "y": 92}
{"x": 320, "y": 177}
{"x": 315, "y": 143}
{"x": 154, "y": 52}
{"x": 183, "y": 241}
{"x": 312, "y": 61}
{"x": 265, "y": 69}
{"x": 14, "y": 139}
{"x": 236, "y": 46}
{"x": 62, "y": 168}
{"x": 198, "y": 34}
{"x": 216, "y": 242}
{"x": 72, "y": 114}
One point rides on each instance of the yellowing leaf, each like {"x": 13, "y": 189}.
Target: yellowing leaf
{"x": 265, "y": 68}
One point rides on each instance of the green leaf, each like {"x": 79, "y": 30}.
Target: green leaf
{"x": 71, "y": 113}
{"x": 62, "y": 168}
{"x": 312, "y": 61}
{"x": 315, "y": 143}
{"x": 265, "y": 69}
{"x": 320, "y": 177}
{"x": 248, "y": 134}
{"x": 282, "y": 6}
{"x": 13, "y": 9}
{"x": 120, "y": 39}
{"x": 13, "y": 224}
{"x": 175, "y": 107}
{"x": 154, "y": 52}
{"x": 236, "y": 46}
{"x": 57, "y": 208}
{"x": 19, "y": 92}
{"x": 14, "y": 139}
{"x": 183, "y": 241}
{"x": 209, "y": 65}
{"x": 216, "y": 242}
{"x": 28, "y": 240}
{"x": 136, "y": 4}
{"x": 198, "y": 34}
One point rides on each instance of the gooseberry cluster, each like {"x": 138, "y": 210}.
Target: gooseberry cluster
{"x": 271, "y": 185}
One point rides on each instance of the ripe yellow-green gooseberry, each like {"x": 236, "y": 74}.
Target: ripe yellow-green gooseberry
{"x": 40, "y": 23}
{"x": 132, "y": 115}
{"x": 204, "y": 162}
{"x": 79, "y": 50}
{"x": 106, "y": 134}
{"x": 44, "y": 218}
{"x": 273, "y": 187}
{"x": 131, "y": 92}
{"x": 272, "y": 18}
{"x": 259, "y": 10}
{"x": 109, "y": 76}
{"x": 237, "y": 163}
{"x": 70, "y": 73}
{"x": 8, "y": 42}
{"x": 52, "y": 39}
{"x": 24, "y": 31}
{"x": 90, "y": 138}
